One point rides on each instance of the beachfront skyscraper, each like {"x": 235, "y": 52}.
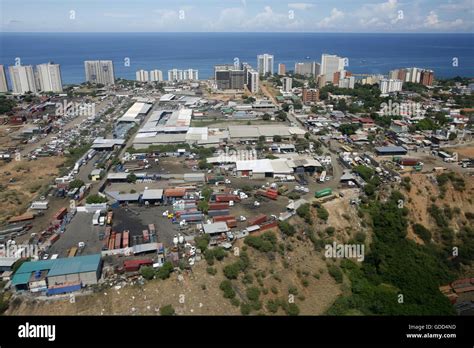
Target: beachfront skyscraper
{"x": 3, "y": 80}
{"x": 265, "y": 64}
{"x": 99, "y": 71}
{"x": 142, "y": 75}
{"x": 156, "y": 75}
{"x": 307, "y": 68}
{"x": 49, "y": 77}
{"x": 281, "y": 69}
{"x": 22, "y": 78}
{"x": 331, "y": 64}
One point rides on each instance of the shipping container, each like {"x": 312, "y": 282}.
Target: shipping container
{"x": 125, "y": 238}
{"x": 118, "y": 240}
{"x": 223, "y": 218}
{"x": 72, "y": 252}
{"x": 219, "y": 198}
{"x": 134, "y": 265}
{"x": 151, "y": 228}
{"x": 192, "y": 218}
{"x": 257, "y": 220}
{"x": 218, "y": 206}
{"x": 53, "y": 238}
{"x": 60, "y": 214}
{"x": 323, "y": 193}
{"x": 213, "y": 213}
{"x": 112, "y": 241}
{"x": 231, "y": 223}
{"x": 110, "y": 215}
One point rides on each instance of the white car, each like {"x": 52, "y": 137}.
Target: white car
{"x": 45, "y": 256}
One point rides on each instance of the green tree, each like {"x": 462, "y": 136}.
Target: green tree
{"x": 147, "y": 272}
{"x": 167, "y": 310}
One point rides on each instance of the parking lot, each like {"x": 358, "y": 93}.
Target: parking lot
{"x": 80, "y": 229}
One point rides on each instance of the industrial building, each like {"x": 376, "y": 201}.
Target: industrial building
{"x": 136, "y": 113}
{"x": 390, "y": 151}
{"x": 40, "y": 276}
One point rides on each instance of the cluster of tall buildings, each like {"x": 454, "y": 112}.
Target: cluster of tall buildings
{"x": 414, "y": 75}
{"x": 177, "y": 75}
{"x": 152, "y": 76}
{"x": 307, "y": 68}
{"x": 265, "y": 64}
{"x": 24, "y": 78}
{"x": 390, "y": 85}
{"x": 99, "y": 71}
{"x": 236, "y": 77}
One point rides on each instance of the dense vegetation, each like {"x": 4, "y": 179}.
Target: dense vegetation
{"x": 398, "y": 277}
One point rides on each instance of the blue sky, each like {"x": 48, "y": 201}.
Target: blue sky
{"x": 237, "y": 16}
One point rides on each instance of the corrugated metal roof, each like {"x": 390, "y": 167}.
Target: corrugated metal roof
{"x": 78, "y": 264}
{"x": 152, "y": 194}
{"x": 216, "y": 227}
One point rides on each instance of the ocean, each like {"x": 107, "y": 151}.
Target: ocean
{"x": 367, "y": 53}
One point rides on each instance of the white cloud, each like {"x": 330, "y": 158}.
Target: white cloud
{"x": 268, "y": 20}
{"x": 432, "y": 21}
{"x": 230, "y": 19}
{"x": 331, "y": 21}
{"x": 300, "y": 6}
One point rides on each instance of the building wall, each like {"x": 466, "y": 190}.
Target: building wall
{"x": 87, "y": 278}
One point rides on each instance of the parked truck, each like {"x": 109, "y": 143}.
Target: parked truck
{"x": 323, "y": 193}
{"x": 95, "y": 218}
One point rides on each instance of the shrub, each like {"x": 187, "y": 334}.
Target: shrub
{"x": 322, "y": 213}
{"x": 211, "y": 270}
{"x": 272, "y": 306}
{"x": 286, "y": 228}
{"x": 226, "y": 287}
{"x": 253, "y": 294}
{"x": 330, "y": 231}
{"x": 147, "y": 272}
{"x": 232, "y": 271}
{"x": 292, "y": 290}
{"x": 336, "y": 273}
{"x": 265, "y": 243}
{"x": 167, "y": 310}
{"x": 202, "y": 242}
{"x": 245, "y": 308}
{"x": 305, "y": 213}
{"x": 165, "y": 270}
{"x": 422, "y": 232}
{"x": 292, "y": 309}
{"x": 360, "y": 237}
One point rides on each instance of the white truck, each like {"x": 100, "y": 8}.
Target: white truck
{"x": 95, "y": 218}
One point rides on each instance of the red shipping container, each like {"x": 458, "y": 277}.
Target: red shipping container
{"x": 272, "y": 191}
{"x": 223, "y": 218}
{"x": 272, "y": 224}
{"x": 227, "y": 198}
{"x": 218, "y": 206}
{"x": 259, "y": 219}
{"x": 231, "y": 223}
{"x": 134, "y": 265}
{"x": 60, "y": 214}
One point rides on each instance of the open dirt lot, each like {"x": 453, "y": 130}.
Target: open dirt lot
{"x": 22, "y": 181}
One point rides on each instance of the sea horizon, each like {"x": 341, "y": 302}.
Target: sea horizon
{"x": 368, "y": 53}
